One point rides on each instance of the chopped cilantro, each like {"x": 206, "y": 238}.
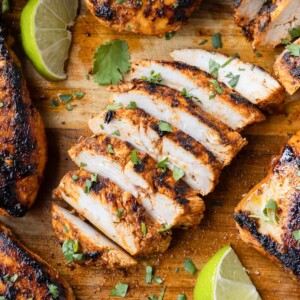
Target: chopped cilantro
{"x": 5, "y": 6}
{"x": 144, "y": 229}
{"x": 203, "y": 42}
{"x": 66, "y": 229}
{"x": 135, "y": 159}
{"x": 69, "y": 107}
{"x": 70, "y": 249}
{"x": 176, "y": 271}
{"x": 181, "y": 297}
{"x": 217, "y": 41}
{"x": 82, "y": 165}
{"x": 119, "y": 290}
{"x": 153, "y": 78}
{"x": 294, "y": 49}
{"x": 216, "y": 85}
{"x": 294, "y": 33}
{"x": 120, "y": 1}
{"x": 169, "y": 35}
{"x": 213, "y": 68}
{"x": 131, "y": 105}
{"x": 75, "y": 177}
{"x": 212, "y": 95}
{"x": 94, "y": 177}
{"x": 234, "y": 80}
{"x": 119, "y": 212}
{"x": 54, "y": 103}
{"x": 163, "y": 164}
{"x": 53, "y": 291}
{"x": 158, "y": 280}
{"x": 165, "y": 228}
{"x": 88, "y": 185}
{"x": 116, "y": 133}
{"x": 257, "y": 54}
{"x": 162, "y": 293}
{"x": 110, "y": 149}
{"x": 65, "y": 97}
{"x": 111, "y": 61}
{"x": 189, "y": 266}
{"x": 115, "y": 106}
{"x": 270, "y": 212}
{"x": 296, "y": 235}
{"x": 79, "y": 95}
{"x": 149, "y": 275}
{"x": 163, "y": 126}
{"x": 177, "y": 173}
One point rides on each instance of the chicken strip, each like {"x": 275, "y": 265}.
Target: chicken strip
{"x": 246, "y": 10}
{"x": 144, "y": 17}
{"x": 268, "y": 217}
{"x": 269, "y": 94}
{"x": 25, "y": 275}
{"x": 114, "y": 212}
{"x": 274, "y": 26}
{"x": 167, "y": 201}
{"x": 93, "y": 246}
{"x": 228, "y": 107}
{"x": 23, "y": 149}
{"x": 201, "y": 169}
{"x": 287, "y": 70}
{"x": 170, "y": 106}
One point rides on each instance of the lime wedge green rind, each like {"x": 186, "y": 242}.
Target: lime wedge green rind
{"x": 45, "y": 35}
{"x": 224, "y": 278}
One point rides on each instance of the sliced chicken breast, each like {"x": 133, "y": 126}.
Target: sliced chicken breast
{"x": 170, "y": 106}
{"x": 269, "y": 94}
{"x": 268, "y": 217}
{"x": 274, "y": 26}
{"x": 114, "y": 212}
{"x": 167, "y": 201}
{"x": 228, "y": 107}
{"x": 287, "y": 70}
{"x": 246, "y": 10}
{"x": 201, "y": 169}
{"x": 93, "y": 245}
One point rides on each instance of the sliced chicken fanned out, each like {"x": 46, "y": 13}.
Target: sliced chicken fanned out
{"x": 274, "y": 26}
{"x": 228, "y": 107}
{"x": 24, "y": 275}
{"x": 254, "y": 83}
{"x": 268, "y": 217}
{"x": 94, "y": 246}
{"x": 287, "y": 70}
{"x": 167, "y": 201}
{"x": 246, "y": 10}
{"x": 114, "y": 212}
{"x": 168, "y": 105}
{"x": 201, "y": 169}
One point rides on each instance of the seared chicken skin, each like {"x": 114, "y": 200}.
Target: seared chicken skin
{"x": 287, "y": 70}
{"x": 170, "y": 106}
{"x": 269, "y": 94}
{"x": 114, "y": 212}
{"x": 144, "y": 17}
{"x": 201, "y": 169}
{"x": 95, "y": 247}
{"x": 25, "y": 275}
{"x": 22, "y": 138}
{"x": 268, "y": 218}
{"x": 167, "y": 201}
{"x": 228, "y": 107}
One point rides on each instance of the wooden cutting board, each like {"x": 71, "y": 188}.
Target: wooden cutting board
{"x": 218, "y": 228}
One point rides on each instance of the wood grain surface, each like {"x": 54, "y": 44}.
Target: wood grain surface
{"x": 218, "y": 228}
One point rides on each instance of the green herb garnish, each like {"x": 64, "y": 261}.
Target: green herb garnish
{"x": 110, "y": 149}
{"x": 54, "y": 103}
{"x": 131, "y": 105}
{"x": 294, "y": 33}
{"x": 70, "y": 249}
{"x": 79, "y": 95}
{"x": 169, "y": 35}
{"x": 75, "y": 177}
{"x": 114, "y": 106}
{"x": 119, "y": 212}
{"x": 82, "y": 165}
{"x": 53, "y": 291}
{"x": 233, "y": 81}
{"x": 135, "y": 159}
{"x": 257, "y": 54}
{"x": 189, "y": 266}
{"x": 181, "y": 297}
{"x": 165, "y": 228}
{"x": 5, "y": 6}
{"x": 213, "y": 68}
{"x": 144, "y": 229}
{"x": 158, "y": 280}
{"x": 296, "y": 235}
{"x": 216, "y": 41}
{"x": 163, "y": 164}
{"x": 119, "y": 290}
{"x": 216, "y": 85}
{"x": 294, "y": 49}
{"x": 177, "y": 173}
{"x": 203, "y": 42}
{"x": 149, "y": 275}
{"x": 65, "y": 97}
{"x": 163, "y": 126}
{"x": 116, "y": 133}
{"x": 270, "y": 212}
{"x": 88, "y": 185}
{"x": 153, "y": 78}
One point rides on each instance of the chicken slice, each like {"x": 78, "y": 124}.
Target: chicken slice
{"x": 230, "y": 108}
{"x": 274, "y": 231}
{"x": 114, "y": 212}
{"x": 141, "y": 130}
{"x": 94, "y": 246}
{"x": 24, "y": 275}
{"x": 269, "y": 94}
{"x": 287, "y": 70}
{"x": 144, "y": 17}
{"x": 167, "y": 201}
{"x": 274, "y": 26}
{"x": 170, "y": 106}
{"x": 246, "y": 10}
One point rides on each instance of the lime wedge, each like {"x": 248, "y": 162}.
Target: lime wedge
{"x": 45, "y": 35}
{"x": 224, "y": 278}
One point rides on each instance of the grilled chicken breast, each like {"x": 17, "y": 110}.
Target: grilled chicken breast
{"x": 170, "y": 106}
{"x": 114, "y": 212}
{"x": 201, "y": 169}
{"x": 246, "y": 10}
{"x": 274, "y": 25}
{"x": 94, "y": 246}
{"x": 25, "y": 275}
{"x": 229, "y": 107}
{"x": 269, "y": 94}
{"x": 22, "y": 138}
{"x": 272, "y": 231}
{"x": 144, "y": 17}
{"x": 167, "y": 201}
{"x": 287, "y": 70}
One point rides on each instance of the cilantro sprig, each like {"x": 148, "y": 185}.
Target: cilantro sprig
{"x": 70, "y": 250}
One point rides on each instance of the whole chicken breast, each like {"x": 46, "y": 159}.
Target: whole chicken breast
{"x": 170, "y": 106}
{"x": 114, "y": 212}
{"x": 144, "y": 17}
{"x": 25, "y": 275}
{"x": 268, "y": 218}
{"x": 201, "y": 169}
{"x": 23, "y": 149}
{"x": 95, "y": 247}
{"x": 287, "y": 70}
{"x": 228, "y": 107}
{"x": 269, "y": 94}
{"x": 167, "y": 201}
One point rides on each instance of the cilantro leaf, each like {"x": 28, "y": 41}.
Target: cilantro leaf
{"x": 163, "y": 126}
{"x": 111, "y": 60}
{"x": 294, "y": 33}
{"x": 217, "y": 41}
{"x": 189, "y": 266}
{"x": 53, "y": 291}
{"x": 296, "y": 235}
{"x": 163, "y": 164}
{"x": 134, "y": 157}
{"x": 119, "y": 290}
{"x": 177, "y": 173}
{"x": 294, "y": 49}
{"x": 149, "y": 275}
